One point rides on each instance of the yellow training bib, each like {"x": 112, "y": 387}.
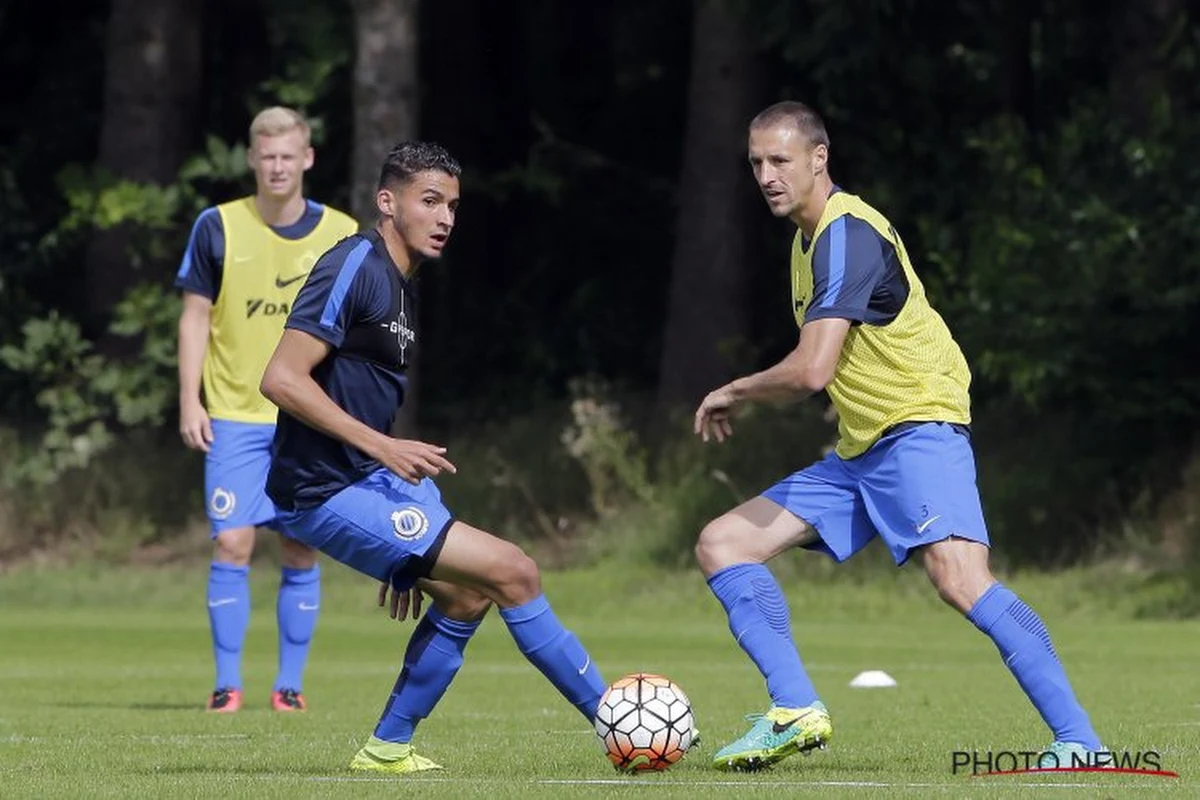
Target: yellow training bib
{"x": 261, "y": 274}
{"x": 907, "y": 369}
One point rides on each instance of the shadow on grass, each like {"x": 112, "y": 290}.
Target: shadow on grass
{"x": 132, "y": 706}
{"x": 258, "y": 770}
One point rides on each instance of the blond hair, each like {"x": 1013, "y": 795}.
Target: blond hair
{"x": 276, "y": 121}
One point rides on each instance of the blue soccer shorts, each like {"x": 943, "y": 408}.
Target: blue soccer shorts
{"x": 911, "y": 488}
{"x": 235, "y": 475}
{"x": 381, "y": 526}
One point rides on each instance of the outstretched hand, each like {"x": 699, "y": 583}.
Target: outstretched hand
{"x": 401, "y": 602}
{"x": 413, "y": 460}
{"x": 712, "y": 417}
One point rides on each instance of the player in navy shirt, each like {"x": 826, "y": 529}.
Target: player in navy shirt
{"x": 346, "y": 487}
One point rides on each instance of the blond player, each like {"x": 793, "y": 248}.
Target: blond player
{"x": 244, "y": 263}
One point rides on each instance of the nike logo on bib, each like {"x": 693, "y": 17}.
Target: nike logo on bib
{"x": 280, "y": 283}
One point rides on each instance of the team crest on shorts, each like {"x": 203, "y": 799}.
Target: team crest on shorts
{"x": 410, "y": 523}
{"x": 222, "y": 503}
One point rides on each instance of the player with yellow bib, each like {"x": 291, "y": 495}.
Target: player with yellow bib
{"x": 244, "y": 264}
{"x": 903, "y": 468}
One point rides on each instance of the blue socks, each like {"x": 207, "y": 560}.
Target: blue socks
{"x": 1025, "y": 646}
{"x": 296, "y": 613}
{"x": 557, "y": 653}
{"x": 434, "y": 654}
{"x": 760, "y": 621}
{"x": 228, "y": 617}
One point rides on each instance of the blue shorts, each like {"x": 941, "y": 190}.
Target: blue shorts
{"x": 235, "y": 475}
{"x": 381, "y": 526}
{"x": 911, "y": 488}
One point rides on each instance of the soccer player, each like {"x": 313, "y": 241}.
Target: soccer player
{"x": 244, "y": 263}
{"x": 903, "y": 467}
{"x": 346, "y": 487}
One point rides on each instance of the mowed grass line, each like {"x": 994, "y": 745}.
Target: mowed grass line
{"x": 102, "y": 675}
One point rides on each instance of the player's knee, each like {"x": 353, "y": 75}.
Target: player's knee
{"x": 234, "y": 546}
{"x": 951, "y": 588}
{"x": 716, "y": 546}
{"x": 296, "y": 555}
{"x": 518, "y": 580}
{"x": 959, "y": 581}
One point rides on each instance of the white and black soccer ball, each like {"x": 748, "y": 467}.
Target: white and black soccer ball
{"x": 645, "y": 722}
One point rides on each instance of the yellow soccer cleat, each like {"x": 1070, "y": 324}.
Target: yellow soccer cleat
{"x": 774, "y": 736}
{"x": 391, "y": 758}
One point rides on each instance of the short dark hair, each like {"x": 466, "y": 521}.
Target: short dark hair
{"x": 807, "y": 121}
{"x": 408, "y": 158}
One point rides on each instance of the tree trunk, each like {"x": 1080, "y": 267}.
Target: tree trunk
{"x": 1016, "y": 60}
{"x": 386, "y": 109}
{"x": 1139, "y": 76}
{"x": 706, "y": 319}
{"x": 152, "y": 84}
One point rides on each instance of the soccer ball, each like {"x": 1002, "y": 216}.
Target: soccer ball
{"x": 645, "y": 722}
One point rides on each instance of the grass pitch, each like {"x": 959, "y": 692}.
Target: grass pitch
{"x": 103, "y": 675}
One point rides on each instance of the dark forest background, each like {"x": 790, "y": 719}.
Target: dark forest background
{"x": 613, "y": 260}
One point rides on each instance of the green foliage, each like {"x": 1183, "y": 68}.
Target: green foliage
{"x": 1071, "y": 286}
{"x": 98, "y": 201}
{"x": 61, "y": 367}
{"x": 82, "y": 394}
{"x": 309, "y": 42}
{"x": 220, "y": 162}
{"x": 1054, "y": 220}
{"x": 84, "y": 398}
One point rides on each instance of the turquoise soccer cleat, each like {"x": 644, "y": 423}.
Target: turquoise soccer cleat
{"x": 1068, "y": 755}
{"x": 774, "y": 736}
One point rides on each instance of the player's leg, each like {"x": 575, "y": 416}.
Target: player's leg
{"x": 959, "y": 570}
{"x": 732, "y": 552}
{"x": 920, "y": 490}
{"x": 392, "y": 531}
{"x": 228, "y": 599}
{"x": 431, "y": 660}
{"x": 233, "y": 488}
{"x": 501, "y": 571}
{"x": 296, "y": 609}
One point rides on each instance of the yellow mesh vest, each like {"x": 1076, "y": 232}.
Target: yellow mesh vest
{"x": 261, "y": 275}
{"x": 909, "y": 369}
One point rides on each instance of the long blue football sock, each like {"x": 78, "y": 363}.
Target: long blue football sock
{"x": 228, "y": 617}
{"x": 1025, "y": 645}
{"x": 557, "y": 653}
{"x": 296, "y": 613}
{"x": 760, "y": 621}
{"x": 432, "y": 659}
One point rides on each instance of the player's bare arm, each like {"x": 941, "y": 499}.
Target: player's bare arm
{"x": 288, "y": 383}
{"x": 806, "y": 370}
{"x": 195, "y": 427}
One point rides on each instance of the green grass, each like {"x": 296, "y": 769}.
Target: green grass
{"x": 103, "y": 673}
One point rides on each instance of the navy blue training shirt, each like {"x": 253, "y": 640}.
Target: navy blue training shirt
{"x": 856, "y": 275}
{"x": 356, "y": 300}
